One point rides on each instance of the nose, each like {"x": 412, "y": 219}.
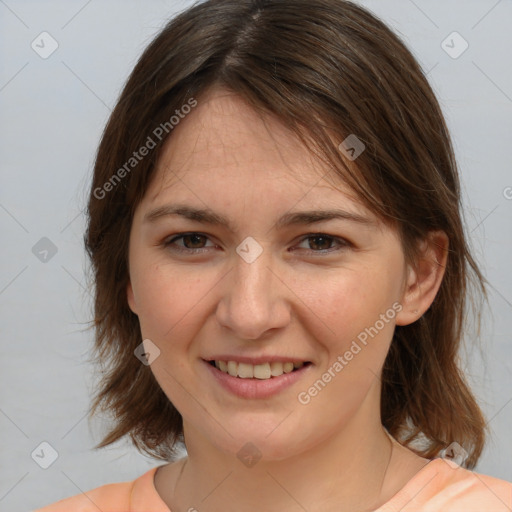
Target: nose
{"x": 255, "y": 299}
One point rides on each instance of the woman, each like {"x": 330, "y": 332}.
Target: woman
{"x": 282, "y": 273}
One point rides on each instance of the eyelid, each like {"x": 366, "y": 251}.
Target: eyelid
{"x": 343, "y": 243}
{"x": 168, "y": 241}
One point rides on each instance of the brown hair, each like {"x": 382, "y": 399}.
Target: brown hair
{"x": 327, "y": 69}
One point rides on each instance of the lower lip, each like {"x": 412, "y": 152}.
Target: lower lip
{"x": 256, "y": 388}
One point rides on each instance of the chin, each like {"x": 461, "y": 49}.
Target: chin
{"x": 265, "y": 444}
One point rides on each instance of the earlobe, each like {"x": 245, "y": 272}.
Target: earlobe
{"x": 131, "y": 298}
{"x": 424, "y": 278}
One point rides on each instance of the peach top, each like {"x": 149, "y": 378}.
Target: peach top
{"x": 438, "y": 487}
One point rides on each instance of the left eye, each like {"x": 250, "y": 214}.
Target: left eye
{"x": 194, "y": 242}
{"x": 323, "y": 241}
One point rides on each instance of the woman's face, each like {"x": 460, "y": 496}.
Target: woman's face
{"x": 249, "y": 281}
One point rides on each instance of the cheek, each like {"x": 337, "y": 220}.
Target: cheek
{"x": 350, "y": 301}
{"x": 167, "y": 297}
{"x": 335, "y": 306}
{"x": 357, "y": 308}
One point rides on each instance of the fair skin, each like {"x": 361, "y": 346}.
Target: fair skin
{"x": 303, "y": 299}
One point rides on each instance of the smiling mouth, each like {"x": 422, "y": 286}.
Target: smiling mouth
{"x": 262, "y": 371}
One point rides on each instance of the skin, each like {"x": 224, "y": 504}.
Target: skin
{"x": 303, "y": 298}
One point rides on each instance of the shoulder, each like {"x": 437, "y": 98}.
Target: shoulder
{"x": 101, "y": 498}
{"x": 107, "y": 498}
{"x": 474, "y": 489}
{"x": 448, "y": 487}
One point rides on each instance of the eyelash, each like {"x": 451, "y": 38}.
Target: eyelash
{"x": 168, "y": 243}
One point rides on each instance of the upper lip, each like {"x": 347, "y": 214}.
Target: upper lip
{"x": 255, "y": 360}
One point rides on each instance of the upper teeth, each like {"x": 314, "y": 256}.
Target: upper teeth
{"x": 256, "y": 371}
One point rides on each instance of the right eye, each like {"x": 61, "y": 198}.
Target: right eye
{"x": 192, "y": 239}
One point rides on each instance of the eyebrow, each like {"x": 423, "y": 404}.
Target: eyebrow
{"x": 208, "y": 216}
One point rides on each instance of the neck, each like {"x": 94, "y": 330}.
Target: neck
{"x": 352, "y": 471}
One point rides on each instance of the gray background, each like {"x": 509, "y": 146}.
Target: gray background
{"x": 52, "y": 113}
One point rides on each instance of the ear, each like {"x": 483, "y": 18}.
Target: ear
{"x": 424, "y": 277}
{"x": 130, "y": 297}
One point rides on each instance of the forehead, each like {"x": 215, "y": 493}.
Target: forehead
{"x": 225, "y": 149}
{"x": 224, "y": 132}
